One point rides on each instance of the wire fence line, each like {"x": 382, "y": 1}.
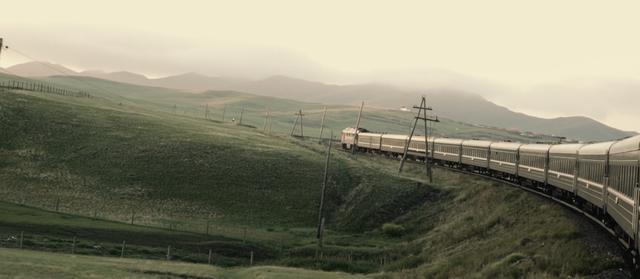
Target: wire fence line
{"x": 44, "y": 88}
{"x": 207, "y": 253}
{"x": 171, "y": 251}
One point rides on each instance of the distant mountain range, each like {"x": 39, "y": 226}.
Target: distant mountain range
{"x": 457, "y": 105}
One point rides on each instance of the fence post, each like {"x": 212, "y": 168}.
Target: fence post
{"x": 244, "y": 236}
{"x": 169, "y": 253}
{"x": 251, "y": 259}
{"x": 124, "y": 244}
{"x": 21, "y": 238}
{"x": 73, "y": 247}
{"x": 210, "y": 257}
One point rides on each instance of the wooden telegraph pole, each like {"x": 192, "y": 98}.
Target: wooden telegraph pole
{"x": 1, "y": 46}
{"x": 422, "y": 115}
{"x": 324, "y": 113}
{"x": 295, "y": 123}
{"x": 267, "y": 121}
{"x": 320, "y": 231}
{"x": 224, "y": 110}
{"x": 355, "y": 136}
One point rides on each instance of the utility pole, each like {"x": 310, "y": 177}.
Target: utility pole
{"x": 241, "y": 113}
{"x": 266, "y": 118}
{"x": 422, "y": 115}
{"x": 320, "y": 231}
{"x": 295, "y": 123}
{"x": 1, "y": 46}
{"x": 355, "y": 136}
{"x": 224, "y": 110}
{"x": 324, "y": 113}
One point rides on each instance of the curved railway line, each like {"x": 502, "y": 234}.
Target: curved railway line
{"x": 600, "y": 181}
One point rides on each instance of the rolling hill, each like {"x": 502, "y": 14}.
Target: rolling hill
{"x": 457, "y": 105}
{"x": 227, "y": 105}
{"x": 120, "y": 158}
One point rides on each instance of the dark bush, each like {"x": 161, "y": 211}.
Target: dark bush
{"x": 393, "y": 230}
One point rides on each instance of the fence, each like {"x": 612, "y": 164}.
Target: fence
{"x": 209, "y": 252}
{"x": 172, "y": 251}
{"x": 44, "y": 88}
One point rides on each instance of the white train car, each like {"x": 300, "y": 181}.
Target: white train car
{"x": 504, "y": 157}
{"x": 623, "y": 183}
{"x": 533, "y": 162}
{"x": 592, "y": 165}
{"x": 476, "y": 153}
{"x": 563, "y": 166}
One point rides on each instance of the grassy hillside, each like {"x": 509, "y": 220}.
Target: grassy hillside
{"x": 253, "y": 108}
{"x": 481, "y": 228}
{"x": 96, "y": 158}
{"x": 116, "y": 160}
{"x": 91, "y": 158}
{"x": 67, "y": 266}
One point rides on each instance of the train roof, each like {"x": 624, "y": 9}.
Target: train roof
{"x": 569, "y": 149}
{"x": 369, "y": 134}
{"x": 421, "y": 138}
{"x": 352, "y": 130}
{"x": 537, "y": 148}
{"x": 626, "y": 145}
{"x": 449, "y": 141}
{"x": 392, "y": 136}
{"x": 477, "y": 143}
{"x": 600, "y": 148}
{"x": 508, "y": 146}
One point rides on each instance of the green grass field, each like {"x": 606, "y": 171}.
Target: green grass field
{"x": 30, "y": 264}
{"x": 105, "y": 161}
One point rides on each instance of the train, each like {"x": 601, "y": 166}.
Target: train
{"x": 601, "y": 179}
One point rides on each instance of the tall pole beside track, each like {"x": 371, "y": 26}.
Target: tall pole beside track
{"x": 355, "y": 136}
{"x": 421, "y": 115}
{"x": 320, "y": 230}
{"x": 324, "y": 113}
{"x": 299, "y": 115}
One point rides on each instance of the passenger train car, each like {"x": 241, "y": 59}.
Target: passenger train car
{"x": 601, "y": 178}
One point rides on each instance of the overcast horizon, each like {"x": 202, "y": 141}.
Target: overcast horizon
{"x": 543, "y": 58}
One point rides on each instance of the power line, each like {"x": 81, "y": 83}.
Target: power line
{"x": 422, "y": 115}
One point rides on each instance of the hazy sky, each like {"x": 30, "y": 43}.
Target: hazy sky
{"x": 512, "y": 52}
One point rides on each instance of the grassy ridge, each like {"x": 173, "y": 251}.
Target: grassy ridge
{"x": 111, "y": 159}
{"x": 121, "y": 163}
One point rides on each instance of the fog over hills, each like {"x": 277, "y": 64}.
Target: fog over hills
{"x": 454, "y": 104}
